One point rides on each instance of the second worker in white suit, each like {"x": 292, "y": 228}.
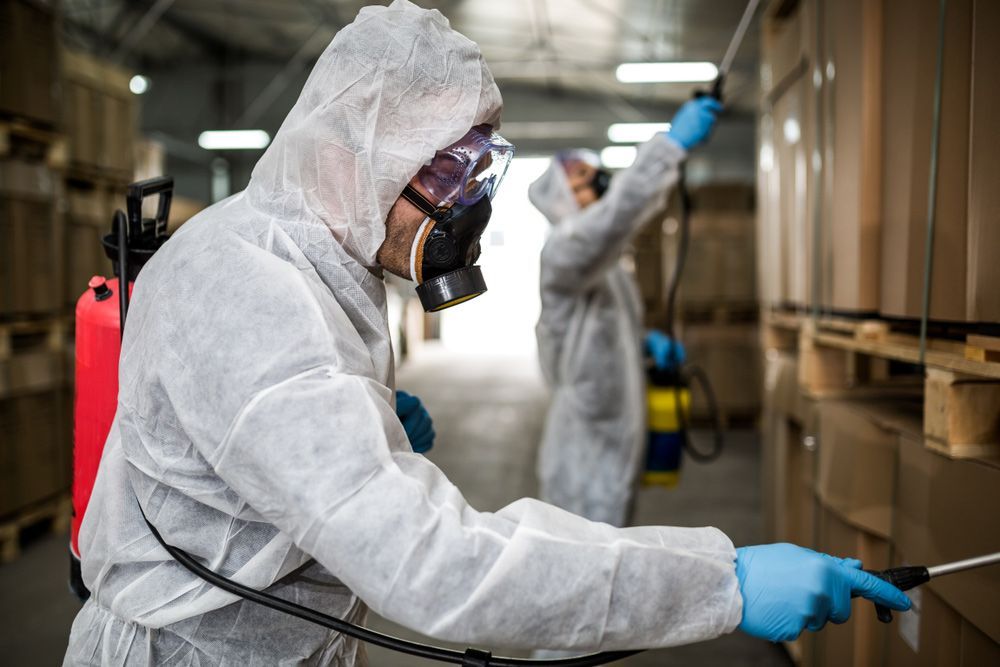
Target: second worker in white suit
{"x": 590, "y": 336}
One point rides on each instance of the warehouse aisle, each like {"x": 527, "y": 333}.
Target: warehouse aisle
{"x": 488, "y": 412}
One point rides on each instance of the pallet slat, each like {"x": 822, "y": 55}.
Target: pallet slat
{"x": 56, "y": 511}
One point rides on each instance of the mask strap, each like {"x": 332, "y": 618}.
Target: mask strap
{"x": 417, "y": 251}
{"x": 425, "y": 206}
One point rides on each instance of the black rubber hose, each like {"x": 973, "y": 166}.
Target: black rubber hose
{"x": 364, "y": 634}
{"x": 718, "y": 438}
{"x": 696, "y": 373}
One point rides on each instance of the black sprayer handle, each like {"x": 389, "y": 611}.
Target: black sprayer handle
{"x": 715, "y": 91}
{"x": 903, "y": 578}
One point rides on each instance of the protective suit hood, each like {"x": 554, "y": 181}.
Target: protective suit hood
{"x": 552, "y": 195}
{"x": 392, "y": 87}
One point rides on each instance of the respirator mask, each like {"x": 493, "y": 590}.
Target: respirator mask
{"x": 462, "y": 178}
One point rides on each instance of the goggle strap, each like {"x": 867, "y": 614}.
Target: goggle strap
{"x": 411, "y": 195}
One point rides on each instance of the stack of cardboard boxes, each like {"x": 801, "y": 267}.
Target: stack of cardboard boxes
{"x": 717, "y": 302}
{"x": 849, "y": 473}
{"x": 845, "y": 148}
{"x": 34, "y": 402}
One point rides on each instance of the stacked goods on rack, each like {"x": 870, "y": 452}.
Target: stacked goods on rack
{"x": 845, "y": 159}
{"x": 99, "y": 118}
{"x": 31, "y": 266}
{"x": 34, "y": 400}
{"x": 717, "y": 302}
{"x": 28, "y": 62}
{"x": 863, "y": 457}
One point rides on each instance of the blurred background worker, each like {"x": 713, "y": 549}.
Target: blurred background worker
{"x": 590, "y": 338}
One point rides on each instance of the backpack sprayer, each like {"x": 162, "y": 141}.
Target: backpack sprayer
{"x": 668, "y": 393}
{"x": 99, "y": 327}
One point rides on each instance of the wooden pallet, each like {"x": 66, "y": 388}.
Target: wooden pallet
{"x": 961, "y": 377}
{"x": 53, "y": 514}
{"x": 80, "y": 172}
{"x": 24, "y": 139}
{"x": 33, "y": 334}
{"x": 719, "y": 313}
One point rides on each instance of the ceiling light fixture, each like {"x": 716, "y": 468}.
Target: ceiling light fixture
{"x": 233, "y": 140}
{"x": 678, "y": 72}
{"x": 634, "y": 133}
{"x": 138, "y": 84}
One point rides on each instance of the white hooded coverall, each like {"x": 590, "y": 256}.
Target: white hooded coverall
{"x": 590, "y": 335}
{"x": 256, "y": 426}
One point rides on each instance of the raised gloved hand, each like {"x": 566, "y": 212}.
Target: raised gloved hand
{"x": 787, "y": 589}
{"x": 416, "y": 421}
{"x": 694, "y": 121}
{"x": 664, "y": 350}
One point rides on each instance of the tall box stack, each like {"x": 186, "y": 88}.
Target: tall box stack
{"x": 28, "y": 61}
{"x": 31, "y": 252}
{"x": 787, "y": 140}
{"x": 850, "y": 69}
{"x": 99, "y": 118}
{"x": 717, "y": 301}
{"x": 983, "y": 271}
{"x": 845, "y": 146}
{"x": 910, "y": 56}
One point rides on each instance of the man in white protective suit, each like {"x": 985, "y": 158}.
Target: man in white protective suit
{"x": 256, "y": 426}
{"x": 590, "y": 330}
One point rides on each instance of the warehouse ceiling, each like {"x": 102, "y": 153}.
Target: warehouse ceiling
{"x": 233, "y": 64}
{"x": 552, "y": 44}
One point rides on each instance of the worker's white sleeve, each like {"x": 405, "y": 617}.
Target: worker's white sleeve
{"x": 586, "y": 242}
{"x": 319, "y": 456}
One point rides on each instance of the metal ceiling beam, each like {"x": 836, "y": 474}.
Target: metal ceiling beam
{"x": 141, "y": 27}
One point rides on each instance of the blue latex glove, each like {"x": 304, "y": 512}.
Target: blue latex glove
{"x": 787, "y": 589}
{"x": 416, "y": 421}
{"x": 693, "y": 122}
{"x": 664, "y": 350}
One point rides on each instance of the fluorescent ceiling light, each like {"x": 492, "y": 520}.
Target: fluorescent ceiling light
{"x": 634, "y": 133}
{"x": 223, "y": 140}
{"x": 689, "y": 72}
{"x": 138, "y": 84}
{"x": 618, "y": 157}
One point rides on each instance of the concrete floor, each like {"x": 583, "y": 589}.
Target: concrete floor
{"x": 488, "y": 414}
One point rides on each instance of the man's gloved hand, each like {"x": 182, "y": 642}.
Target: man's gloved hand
{"x": 416, "y": 421}
{"x": 664, "y": 350}
{"x": 787, "y": 589}
{"x": 694, "y": 121}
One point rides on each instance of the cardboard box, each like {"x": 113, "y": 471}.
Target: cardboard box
{"x": 99, "y": 114}
{"x": 730, "y": 356}
{"x": 857, "y": 457}
{"x": 31, "y": 253}
{"x": 787, "y": 143}
{"x": 851, "y": 98}
{"x": 929, "y": 635}
{"x": 36, "y": 450}
{"x": 909, "y": 61}
{"x": 794, "y": 515}
{"x": 944, "y": 511}
{"x": 720, "y": 265}
{"x": 28, "y": 61}
{"x": 858, "y": 642}
{"x": 984, "y": 170}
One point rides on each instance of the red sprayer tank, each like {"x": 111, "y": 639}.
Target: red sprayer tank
{"x": 100, "y": 314}
{"x": 98, "y": 345}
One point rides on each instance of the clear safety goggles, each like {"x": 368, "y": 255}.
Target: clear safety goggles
{"x": 469, "y": 169}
